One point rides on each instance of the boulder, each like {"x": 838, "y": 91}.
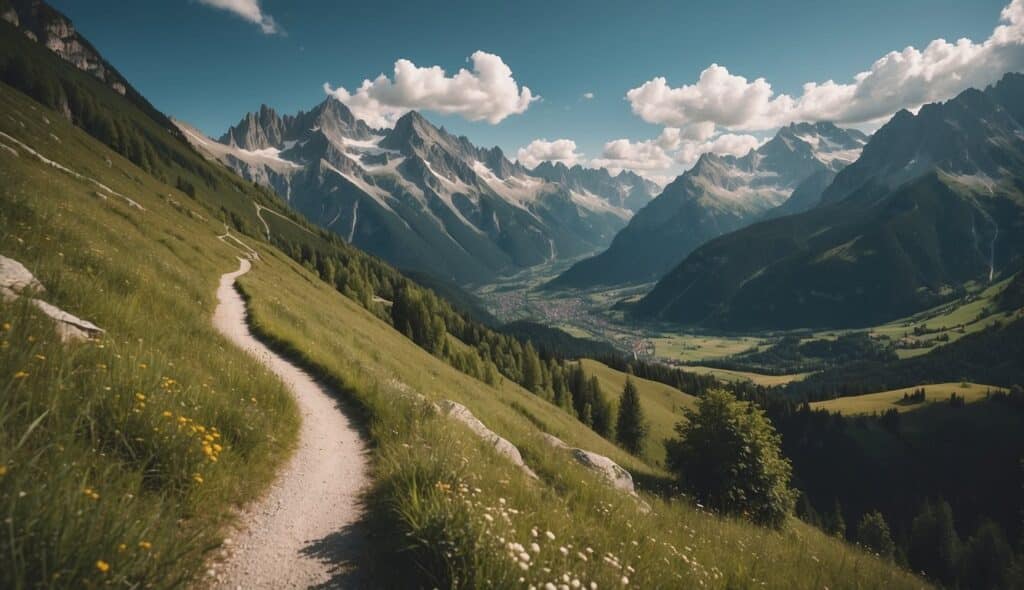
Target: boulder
{"x": 16, "y": 281}
{"x": 615, "y": 475}
{"x": 462, "y": 414}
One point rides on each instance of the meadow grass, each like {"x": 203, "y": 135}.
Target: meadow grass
{"x": 446, "y": 511}
{"x": 122, "y": 457}
{"x": 106, "y": 479}
{"x": 877, "y": 403}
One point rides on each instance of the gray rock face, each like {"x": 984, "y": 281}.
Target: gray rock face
{"x": 42, "y": 23}
{"x": 615, "y": 475}
{"x": 17, "y": 281}
{"x": 461, "y": 413}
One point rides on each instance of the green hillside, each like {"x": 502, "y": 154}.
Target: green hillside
{"x": 663, "y": 405}
{"x": 101, "y": 486}
{"x": 877, "y": 403}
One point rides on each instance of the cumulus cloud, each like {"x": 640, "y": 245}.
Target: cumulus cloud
{"x": 643, "y": 157}
{"x": 588, "y": 95}
{"x": 728, "y": 144}
{"x": 900, "y": 79}
{"x": 250, "y": 11}
{"x": 487, "y": 93}
{"x": 655, "y": 158}
{"x": 541, "y": 150}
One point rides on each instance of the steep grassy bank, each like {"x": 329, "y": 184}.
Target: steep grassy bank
{"x": 104, "y": 479}
{"x": 446, "y": 510}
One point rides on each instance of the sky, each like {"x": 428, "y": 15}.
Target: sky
{"x": 645, "y": 86}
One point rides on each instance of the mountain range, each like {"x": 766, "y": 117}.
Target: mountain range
{"x": 934, "y": 202}
{"x": 718, "y": 195}
{"x": 422, "y": 198}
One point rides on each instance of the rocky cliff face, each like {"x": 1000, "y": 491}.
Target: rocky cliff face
{"x": 45, "y": 25}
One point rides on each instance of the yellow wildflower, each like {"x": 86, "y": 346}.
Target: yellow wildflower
{"x": 140, "y": 396}
{"x": 197, "y": 478}
{"x": 145, "y": 545}
{"x": 122, "y": 548}
{"x": 40, "y": 357}
{"x": 103, "y": 566}
{"x": 3, "y": 470}
{"x": 7, "y": 326}
{"x": 20, "y": 375}
{"x": 167, "y": 414}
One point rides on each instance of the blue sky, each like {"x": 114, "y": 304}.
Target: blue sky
{"x": 209, "y": 66}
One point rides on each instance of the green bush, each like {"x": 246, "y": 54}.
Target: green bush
{"x": 727, "y": 455}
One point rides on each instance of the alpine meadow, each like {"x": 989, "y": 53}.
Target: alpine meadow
{"x": 539, "y": 296}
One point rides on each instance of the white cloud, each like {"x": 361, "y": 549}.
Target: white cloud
{"x": 900, "y": 79}
{"x": 540, "y": 150}
{"x": 249, "y": 10}
{"x": 488, "y": 93}
{"x": 726, "y": 144}
{"x": 588, "y": 95}
{"x": 643, "y": 157}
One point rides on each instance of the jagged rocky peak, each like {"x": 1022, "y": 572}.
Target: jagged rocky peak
{"x": 256, "y": 131}
{"x": 265, "y": 128}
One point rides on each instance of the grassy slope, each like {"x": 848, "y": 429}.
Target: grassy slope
{"x": 427, "y": 469}
{"x": 147, "y": 277}
{"x": 873, "y": 403}
{"x": 663, "y": 405}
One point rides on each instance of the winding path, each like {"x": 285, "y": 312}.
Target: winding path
{"x": 303, "y": 533}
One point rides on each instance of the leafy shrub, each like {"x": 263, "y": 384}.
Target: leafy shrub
{"x": 728, "y": 456}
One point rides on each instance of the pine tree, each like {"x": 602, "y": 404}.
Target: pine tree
{"x": 934, "y": 544}
{"x": 630, "y": 428}
{"x": 873, "y": 534}
{"x": 600, "y": 410}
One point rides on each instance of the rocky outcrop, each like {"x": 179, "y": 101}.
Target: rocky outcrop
{"x": 45, "y": 25}
{"x": 16, "y": 282}
{"x": 616, "y": 476}
{"x": 461, "y": 413}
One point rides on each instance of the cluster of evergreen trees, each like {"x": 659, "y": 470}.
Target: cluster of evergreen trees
{"x": 985, "y": 560}
{"x": 478, "y": 350}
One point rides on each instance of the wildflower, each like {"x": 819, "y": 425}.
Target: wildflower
{"x": 103, "y": 566}
{"x": 143, "y": 366}
{"x": 524, "y": 566}
{"x": 197, "y": 478}
{"x": 488, "y": 518}
{"x": 167, "y": 414}
{"x": 563, "y": 551}
{"x": 20, "y": 375}
{"x": 145, "y": 545}
{"x": 625, "y": 581}
{"x": 140, "y": 396}
{"x": 40, "y": 357}
{"x": 550, "y": 535}
{"x": 7, "y": 326}
{"x": 535, "y": 547}
{"x": 3, "y": 470}
{"x": 122, "y": 548}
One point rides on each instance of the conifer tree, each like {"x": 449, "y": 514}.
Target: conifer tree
{"x": 630, "y": 427}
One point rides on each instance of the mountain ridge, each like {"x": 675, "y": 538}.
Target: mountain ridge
{"x": 718, "y": 195}
{"x": 418, "y": 196}
{"x": 933, "y": 204}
